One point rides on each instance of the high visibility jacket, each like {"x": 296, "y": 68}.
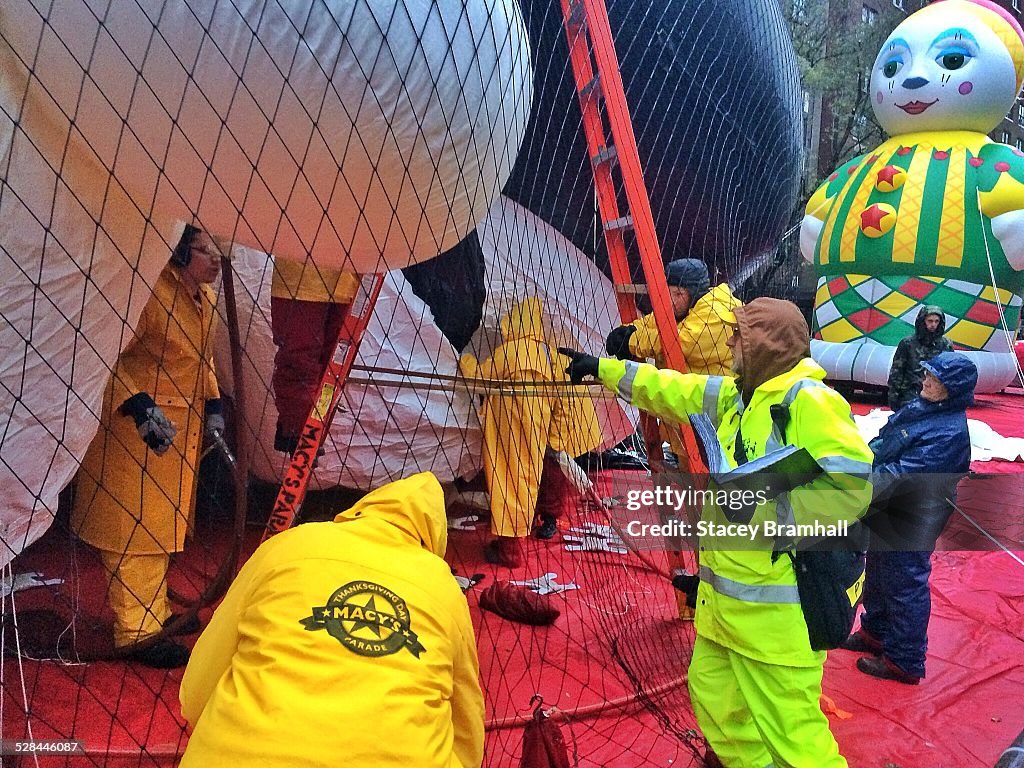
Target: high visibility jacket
{"x": 305, "y": 281}
{"x": 345, "y": 644}
{"x": 746, "y": 602}
{"x": 128, "y": 499}
{"x": 702, "y": 334}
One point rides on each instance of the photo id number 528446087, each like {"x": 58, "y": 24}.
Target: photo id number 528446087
{"x": 41, "y": 746}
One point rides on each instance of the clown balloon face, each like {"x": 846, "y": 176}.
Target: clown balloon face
{"x": 945, "y": 68}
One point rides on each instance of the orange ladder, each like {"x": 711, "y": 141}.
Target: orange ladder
{"x": 599, "y": 82}
{"x": 318, "y": 423}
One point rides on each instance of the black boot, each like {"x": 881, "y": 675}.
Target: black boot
{"x": 163, "y": 654}
{"x": 285, "y": 443}
{"x": 190, "y": 626}
{"x": 547, "y": 529}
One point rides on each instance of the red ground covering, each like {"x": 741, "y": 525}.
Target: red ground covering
{"x": 617, "y": 626}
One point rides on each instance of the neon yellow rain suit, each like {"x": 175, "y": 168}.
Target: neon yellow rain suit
{"x": 516, "y": 427}
{"x": 342, "y": 645}
{"x": 754, "y": 680}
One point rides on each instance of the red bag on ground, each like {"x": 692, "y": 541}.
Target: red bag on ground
{"x": 543, "y": 745}
{"x": 516, "y": 603}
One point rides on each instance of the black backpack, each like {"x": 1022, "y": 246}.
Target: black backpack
{"x": 829, "y": 574}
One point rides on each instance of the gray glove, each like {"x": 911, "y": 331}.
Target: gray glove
{"x": 214, "y": 422}
{"x": 155, "y": 429}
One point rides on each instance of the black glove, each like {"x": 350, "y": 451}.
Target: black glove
{"x": 581, "y": 365}
{"x": 617, "y": 344}
{"x": 687, "y": 583}
{"x": 214, "y": 422}
{"x": 155, "y": 429}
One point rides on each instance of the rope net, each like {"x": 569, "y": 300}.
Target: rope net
{"x": 440, "y": 144}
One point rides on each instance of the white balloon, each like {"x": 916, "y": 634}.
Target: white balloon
{"x": 370, "y": 134}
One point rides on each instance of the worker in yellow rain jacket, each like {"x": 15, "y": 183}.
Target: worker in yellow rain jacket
{"x": 516, "y": 428}
{"x": 754, "y": 680}
{"x": 308, "y": 305}
{"x": 135, "y": 491}
{"x": 575, "y": 430}
{"x": 705, "y": 319}
{"x": 345, "y": 643}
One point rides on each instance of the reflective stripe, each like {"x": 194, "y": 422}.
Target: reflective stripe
{"x": 711, "y": 391}
{"x": 765, "y": 593}
{"x": 799, "y": 385}
{"x": 626, "y": 382}
{"x": 776, "y": 440}
{"x": 784, "y": 513}
{"x": 845, "y": 465}
{"x": 784, "y": 516}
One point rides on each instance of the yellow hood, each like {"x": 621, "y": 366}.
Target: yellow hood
{"x": 524, "y": 321}
{"x": 414, "y": 505}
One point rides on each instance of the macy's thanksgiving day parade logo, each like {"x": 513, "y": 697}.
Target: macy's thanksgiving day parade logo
{"x": 366, "y": 618}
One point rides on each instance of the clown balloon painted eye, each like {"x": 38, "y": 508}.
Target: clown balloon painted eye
{"x": 953, "y": 59}
{"x": 916, "y": 220}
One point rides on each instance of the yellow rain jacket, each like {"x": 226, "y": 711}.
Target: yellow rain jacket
{"x": 127, "y": 498}
{"x": 342, "y": 644}
{"x": 746, "y": 602}
{"x": 702, "y": 334}
{"x": 516, "y": 427}
{"x": 305, "y": 281}
{"x": 575, "y": 427}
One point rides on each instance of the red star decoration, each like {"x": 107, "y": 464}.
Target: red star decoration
{"x": 941, "y": 154}
{"x": 904, "y": 151}
{"x": 851, "y": 169}
{"x": 872, "y": 217}
{"x": 977, "y": 162}
{"x": 887, "y": 174}
{"x": 1002, "y": 166}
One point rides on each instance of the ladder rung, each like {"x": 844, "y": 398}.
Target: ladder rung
{"x": 606, "y": 155}
{"x": 631, "y": 289}
{"x": 624, "y": 222}
{"x": 577, "y": 15}
{"x": 588, "y": 90}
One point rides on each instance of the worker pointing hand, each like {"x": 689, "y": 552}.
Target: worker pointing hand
{"x": 581, "y": 365}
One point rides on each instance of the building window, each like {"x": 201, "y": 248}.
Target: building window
{"x": 1020, "y": 114}
{"x": 1020, "y": 145}
{"x": 1004, "y": 137}
{"x": 897, "y": 4}
{"x": 868, "y": 15}
{"x": 1016, "y": 5}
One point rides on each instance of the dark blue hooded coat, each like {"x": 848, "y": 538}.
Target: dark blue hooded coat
{"x": 921, "y": 454}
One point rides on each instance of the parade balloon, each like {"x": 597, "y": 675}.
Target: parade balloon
{"x": 714, "y": 96}
{"x": 366, "y": 135}
{"x": 935, "y": 214}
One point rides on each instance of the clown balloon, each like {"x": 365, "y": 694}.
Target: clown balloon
{"x": 935, "y": 215}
